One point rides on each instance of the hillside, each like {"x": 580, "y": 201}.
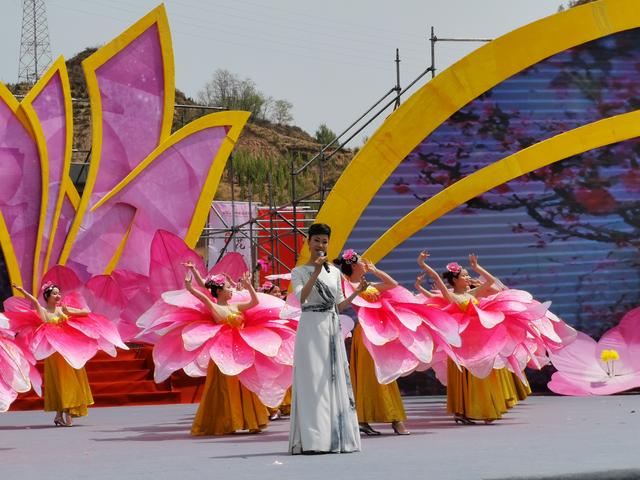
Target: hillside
{"x": 261, "y": 144}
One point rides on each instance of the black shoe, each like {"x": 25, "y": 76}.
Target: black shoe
{"x": 367, "y": 430}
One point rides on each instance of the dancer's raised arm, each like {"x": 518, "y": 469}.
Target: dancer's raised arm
{"x": 362, "y": 286}
{"x": 489, "y": 279}
{"x": 245, "y": 282}
{"x": 202, "y": 297}
{"x": 419, "y": 279}
{"x": 194, "y": 271}
{"x": 446, "y": 293}
{"x": 39, "y": 308}
{"x": 386, "y": 283}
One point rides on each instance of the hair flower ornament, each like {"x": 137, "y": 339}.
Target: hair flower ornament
{"x": 350, "y": 256}
{"x": 216, "y": 280}
{"x": 454, "y": 267}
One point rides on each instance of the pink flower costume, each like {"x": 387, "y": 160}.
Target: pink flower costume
{"x": 400, "y": 331}
{"x": 17, "y": 367}
{"x": 255, "y": 345}
{"x": 76, "y": 338}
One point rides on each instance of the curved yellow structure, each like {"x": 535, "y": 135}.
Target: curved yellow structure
{"x": 455, "y": 87}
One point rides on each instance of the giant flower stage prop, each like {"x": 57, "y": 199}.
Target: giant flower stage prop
{"x": 610, "y": 365}
{"x": 259, "y": 350}
{"x": 141, "y": 176}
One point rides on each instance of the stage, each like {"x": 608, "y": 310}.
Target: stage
{"x": 543, "y": 437}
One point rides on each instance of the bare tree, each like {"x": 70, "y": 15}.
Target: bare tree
{"x": 282, "y": 112}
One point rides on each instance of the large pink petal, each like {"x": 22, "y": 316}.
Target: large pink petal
{"x": 170, "y": 355}
{"x": 261, "y": 339}
{"x": 130, "y": 282}
{"x": 21, "y": 181}
{"x": 17, "y": 304}
{"x": 579, "y": 359}
{"x": 285, "y": 354}
{"x": 14, "y": 367}
{"x": 267, "y": 379}
{"x": 168, "y": 252}
{"x": 233, "y": 264}
{"x": 104, "y": 297}
{"x": 76, "y": 348}
{"x": 419, "y": 343}
{"x": 161, "y": 314}
{"x": 377, "y": 326}
{"x": 408, "y": 318}
{"x": 63, "y": 277}
{"x": 488, "y": 318}
{"x": 230, "y": 352}
{"x": 7, "y": 396}
{"x": 391, "y": 360}
{"x": 97, "y": 326}
{"x": 196, "y": 334}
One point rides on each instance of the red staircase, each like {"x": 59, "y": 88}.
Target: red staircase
{"x": 126, "y": 380}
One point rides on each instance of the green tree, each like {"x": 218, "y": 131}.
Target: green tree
{"x": 324, "y": 135}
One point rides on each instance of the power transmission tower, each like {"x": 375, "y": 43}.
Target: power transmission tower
{"x": 35, "y": 50}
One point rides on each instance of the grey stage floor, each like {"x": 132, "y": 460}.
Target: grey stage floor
{"x": 542, "y": 437}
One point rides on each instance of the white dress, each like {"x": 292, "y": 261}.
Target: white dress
{"x": 323, "y": 411}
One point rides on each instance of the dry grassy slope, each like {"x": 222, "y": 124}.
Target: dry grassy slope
{"x": 258, "y": 137}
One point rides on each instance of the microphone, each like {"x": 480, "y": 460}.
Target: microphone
{"x": 325, "y": 264}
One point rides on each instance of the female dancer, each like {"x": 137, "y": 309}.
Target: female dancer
{"x": 323, "y": 414}
{"x": 226, "y": 405}
{"x": 375, "y": 403}
{"x": 66, "y": 389}
{"x": 469, "y": 398}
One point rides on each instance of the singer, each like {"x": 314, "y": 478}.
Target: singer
{"x": 323, "y": 413}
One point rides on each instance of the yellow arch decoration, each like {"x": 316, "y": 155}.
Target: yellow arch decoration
{"x": 57, "y": 68}
{"x": 594, "y": 135}
{"x": 158, "y": 17}
{"x": 451, "y": 90}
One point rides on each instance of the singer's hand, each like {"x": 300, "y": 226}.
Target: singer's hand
{"x": 319, "y": 262}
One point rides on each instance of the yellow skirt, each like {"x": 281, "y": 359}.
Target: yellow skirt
{"x": 523, "y": 390}
{"x": 285, "y": 407}
{"x": 65, "y": 388}
{"x": 473, "y": 397}
{"x": 508, "y": 387}
{"x": 375, "y": 403}
{"x": 227, "y": 406}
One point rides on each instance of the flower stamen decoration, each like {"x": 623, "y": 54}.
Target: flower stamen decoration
{"x": 608, "y": 357}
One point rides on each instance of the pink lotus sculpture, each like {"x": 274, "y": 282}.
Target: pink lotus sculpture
{"x": 608, "y": 366}
{"x": 141, "y": 177}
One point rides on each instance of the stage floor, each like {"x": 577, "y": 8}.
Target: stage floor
{"x": 543, "y": 437}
